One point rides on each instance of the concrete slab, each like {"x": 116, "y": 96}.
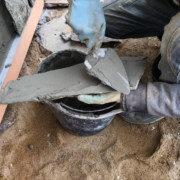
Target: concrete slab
{"x": 52, "y": 85}
{"x": 20, "y": 11}
{"x": 108, "y": 67}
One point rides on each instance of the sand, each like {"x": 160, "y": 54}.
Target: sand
{"x": 37, "y": 147}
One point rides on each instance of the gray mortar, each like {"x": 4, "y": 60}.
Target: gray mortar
{"x": 56, "y": 35}
{"x": 7, "y": 33}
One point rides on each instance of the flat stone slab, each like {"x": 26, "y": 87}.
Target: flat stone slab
{"x": 52, "y": 85}
{"x": 49, "y": 36}
{"x": 56, "y": 35}
{"x": 108, "y": 68}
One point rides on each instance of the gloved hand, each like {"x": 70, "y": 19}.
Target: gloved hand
{"x": 100, "y": 98}
{"x": 87, "y": 19}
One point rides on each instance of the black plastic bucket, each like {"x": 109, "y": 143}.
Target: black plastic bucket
{"x": 75, "y": 116}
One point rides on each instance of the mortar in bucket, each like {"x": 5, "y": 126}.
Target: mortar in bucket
{"x": 73, "y": 115}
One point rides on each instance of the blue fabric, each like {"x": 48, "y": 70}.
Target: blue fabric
{"x": 87, "y": 19}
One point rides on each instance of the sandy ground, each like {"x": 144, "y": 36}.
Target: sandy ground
{"x": 37, "y": 147}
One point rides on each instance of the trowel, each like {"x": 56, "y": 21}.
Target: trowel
{"x": 106, "y": 65}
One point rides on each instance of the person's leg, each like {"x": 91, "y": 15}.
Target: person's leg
{"x": 170, "y": 52}
{"x": 138, "y": 18}
{"x": 134, "y": 19}
{"x": 156, "y": 98}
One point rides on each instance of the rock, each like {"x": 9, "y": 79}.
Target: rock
{"x": 50, "y": 36}
{"x": 56, "y": 3}
{"x": 20, "y": 11}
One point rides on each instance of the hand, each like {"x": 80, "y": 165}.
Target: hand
{"x": 87, "y": 19}
{"x": 100, "y": 98}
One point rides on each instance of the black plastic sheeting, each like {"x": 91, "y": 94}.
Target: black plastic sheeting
{"x": 138, "y": 18}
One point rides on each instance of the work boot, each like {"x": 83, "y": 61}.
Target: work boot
{"x": 135, "y": 107}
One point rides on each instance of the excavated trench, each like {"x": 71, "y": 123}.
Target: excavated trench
{"x": 36, "y": 147}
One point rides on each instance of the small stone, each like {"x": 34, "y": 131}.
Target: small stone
{"x": 7, "y": 65}
{"x": 47, "y": 19}
{"x": 30, "y": 146}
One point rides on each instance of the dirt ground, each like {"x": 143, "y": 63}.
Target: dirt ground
{"x": 37, "y": 147}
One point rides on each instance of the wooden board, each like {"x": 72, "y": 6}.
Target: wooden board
{"x": 23, "y": 46}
